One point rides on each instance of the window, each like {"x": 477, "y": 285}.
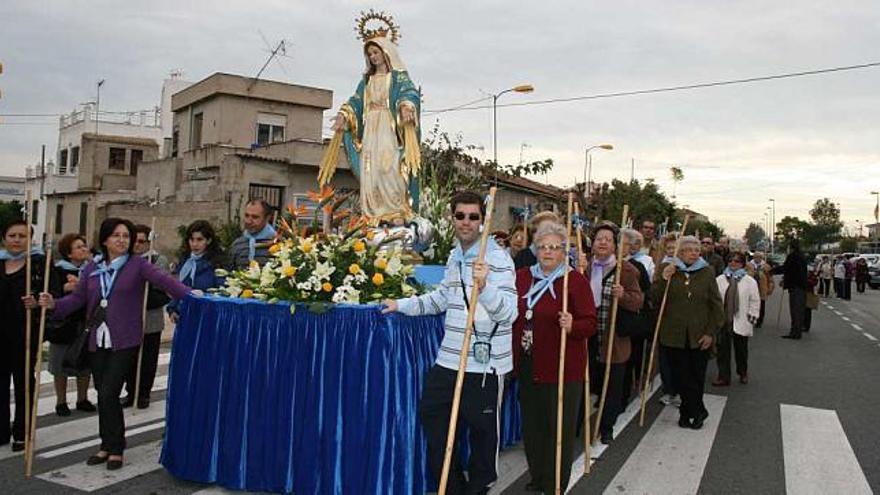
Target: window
{"x": 270, "y": 128}
{"x": 59, "y": 218}
{"x": 62, "y": 162}
{"x": 274, "y": 195}
{"x": 175, "y": 140}
{"x": 196, "y": 140}
{"x": 74, "y": 159}
{"x": 137, "y": 156}
{"x": 117, "y": 159}
{"x": 83, "y": 217}
{"x": 310, "y": 207}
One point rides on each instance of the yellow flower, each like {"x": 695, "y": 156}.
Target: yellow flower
{"x": 354, "y": 269}
{"x": 381, "y": 263}
{"x": 253, "y": 264}
{"x": 289, "y": 271}
{"x": 247, "y": 294}
{"x": 359, "y": 246}
{"x": 274, "y": 248}
{"x": 378, "y": 279}
{"x": 327, "y": 286}
{"x": 306, "y": 246}
{"x": 370, "y": 235}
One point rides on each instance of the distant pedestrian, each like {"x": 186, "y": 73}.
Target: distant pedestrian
{"x": 839, "y": 278}
{"x": 849, "y": 273}
{"x": 708, "y": 252}
{"x": 794, "y": 280}
{"x": 862, "y": 275}
{"x": 517, "y": 240}
{"x": 759, "y": 270}
{"x": 826, "y": 276}
{"x": 527, "y": 257}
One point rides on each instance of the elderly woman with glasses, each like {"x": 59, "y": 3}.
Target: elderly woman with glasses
{"x": 693, "y": 315}
{"x": 536, "y": 344}
{"x": 742, "y": 308}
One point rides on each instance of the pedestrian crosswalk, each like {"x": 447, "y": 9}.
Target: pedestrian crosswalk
{"x": 817, "y": 454}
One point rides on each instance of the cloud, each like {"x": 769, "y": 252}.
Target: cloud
{"x": 796, "y": 140}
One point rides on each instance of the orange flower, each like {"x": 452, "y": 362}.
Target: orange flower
{"x": 381, "y": 263}
{"x": 324, "y": 194}
{"x": 378, "y": 279}
{"x": 371, "y": 235}
{"x": 327, "y": 286}
{"x": 247, "y": 294}
{"x": 359, "y": 246}
{"x": 339, "y": 215}
{"x": 289, "y": 271}
{"x": 299, "y": 211}
{"x": 354, "y": 269}
{"x": 274, "y": 248}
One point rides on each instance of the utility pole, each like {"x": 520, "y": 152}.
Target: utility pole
{"x": 98, "y": 104}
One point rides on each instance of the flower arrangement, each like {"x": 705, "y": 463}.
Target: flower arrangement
{"x": 325, "y": 268}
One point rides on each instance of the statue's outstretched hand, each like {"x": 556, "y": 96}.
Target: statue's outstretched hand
{"x": 408, "y": 114}
{"x": 339, "y": 122}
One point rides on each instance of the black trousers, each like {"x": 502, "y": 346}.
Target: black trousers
{"x": 666, "y": 375}
{"x": 478, "y": 410}
{"x": 149, "y": 365}
{"x": 825, "y": 286}
{"x": 689, "y": 369}
{"x": 12, "y": 370}
{"x": 614, "y": 397}
{"x": 538, "y": 405}
{"x": 108, "y": 370}
{"x": 860, "y": 286}
{"x": 633, "y": 374}
{"x": 847, "y": 288}
{"x": 797, "y": 304}
{"x": 726, "y": 337}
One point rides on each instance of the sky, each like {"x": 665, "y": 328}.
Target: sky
{"x": 794, "y": 140}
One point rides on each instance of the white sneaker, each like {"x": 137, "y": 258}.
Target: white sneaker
{"x": 676, "y": 401}
{"x": 667, "y": 399}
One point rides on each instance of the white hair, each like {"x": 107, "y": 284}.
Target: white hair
{"x": 548, "y": 229}
{"x": 688, "y": 240}
{"x": 632, "y": 236}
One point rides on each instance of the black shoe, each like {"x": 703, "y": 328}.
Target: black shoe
{"x": 85, "y": 406}
{"x": 96, "y": 459}
{"x": 684, "y": 422}
{"x": 17, "y": 446}
{"x": 699, "y": 420}
{"x": 790, "y": 336}
{"x": 126, "y": 402}
{"x": 114, "y": 465}
{"x": 143, "y": 403}
{"x": 62, "y": 410}
{"x": 606, "y": 437}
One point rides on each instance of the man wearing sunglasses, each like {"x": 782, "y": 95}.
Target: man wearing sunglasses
{"x": 490, "y": 354}
{"x": 707, "y": 250}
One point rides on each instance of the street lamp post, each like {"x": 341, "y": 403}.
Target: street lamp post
{"x": 98, "y": 104}
{"x": 876, "y": 216}
{"x": 773, "y": 227}
{"x": 588, "y": 166}
{"x": 522, "y": 88}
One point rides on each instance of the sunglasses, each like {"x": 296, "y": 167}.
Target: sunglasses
{"x": 473, "y": 217}
{"x": 705, "y": 242}
{"x": 550, "y": 247}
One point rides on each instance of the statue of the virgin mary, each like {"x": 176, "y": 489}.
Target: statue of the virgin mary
{"x": 379, "y": 127}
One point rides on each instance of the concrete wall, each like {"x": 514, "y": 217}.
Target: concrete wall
{"x": 94, "y": 165}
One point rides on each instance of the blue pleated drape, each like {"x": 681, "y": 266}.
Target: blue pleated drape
{"x": 326, "y": 403}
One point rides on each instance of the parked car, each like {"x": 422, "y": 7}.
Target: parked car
{"x": 874, "y": 281}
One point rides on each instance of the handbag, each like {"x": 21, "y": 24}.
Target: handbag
{"x": 76, "y": 356}
{"x": 812, "y": 301}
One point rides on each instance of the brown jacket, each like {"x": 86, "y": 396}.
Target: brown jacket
{"x": 764, "y": 279}
{"x": 632, "y": 300}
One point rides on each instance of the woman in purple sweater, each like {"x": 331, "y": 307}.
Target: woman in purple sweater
{"x": 112, "y": 291}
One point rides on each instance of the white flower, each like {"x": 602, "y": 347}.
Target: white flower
{"x": 307, "y": 286}
{"x": 346, "y": 294}
{"x": 394, "y": 266}
{"x": 253, "y": 272}
{"x": 267, "y": 278}
{"x": 407, "y": 289}
{"x": 233, "y": 291}
{"x": 323, "y": 271}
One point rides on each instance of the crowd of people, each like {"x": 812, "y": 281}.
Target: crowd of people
{"x": 100, "y": 322}
{"x": 715, "y": 296}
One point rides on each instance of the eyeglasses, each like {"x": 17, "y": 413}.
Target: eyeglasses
{"x": 549, "y": 247}
{"x": 706, "y": 242}
{"x": 473, "y": 217}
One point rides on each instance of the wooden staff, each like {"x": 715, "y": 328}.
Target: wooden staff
{"x": 781, "y": 304}
{"x": 611, "y": 329}
{"x": 27, "y": 321}
{"x": 31, "y": 432}
{"x": 578, "y": 231}
{"x": 137, "y": 374}
{"x": 587, "y": 405}
{"x": 465, "y": 347}
{"x": 563, "y": 339}
{"x": 526, "y": 223}
{"x": 657, "y": 327}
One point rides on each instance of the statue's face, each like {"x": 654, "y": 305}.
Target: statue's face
{"x": 376, "y": 56}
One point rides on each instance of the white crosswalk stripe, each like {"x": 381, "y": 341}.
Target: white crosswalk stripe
{"x": 817, "y": 453}
{"x": 670, "y": 459}
{"x": 138, "y": 460}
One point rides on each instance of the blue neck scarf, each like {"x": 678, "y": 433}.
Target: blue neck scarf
{"x": 67, "y": 265}
{"x": 698, "y": 265}
{"x": 189, "y": 267}
{"x": 542, "y": 283}
{"x": 267, "y": 233}
{"x": 7, "y": 256}
{"x": 459, "y": 256}
{"x": 738, "y": 274}
{"x": 107, "y": 273}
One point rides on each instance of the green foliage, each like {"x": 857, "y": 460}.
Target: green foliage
{"x": 645, "y": 201}
{"x": 10, "y": 211}
{"x": 536, "y": 167}
{"x": 826, "y": 223}
{"x": 790, "y": 228}
{"x": 709, "y": 228}
{"x": 849, "y": 245}
{"x": 754, "y": 235}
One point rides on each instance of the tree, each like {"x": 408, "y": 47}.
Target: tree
{"x": 677, "y": 176}
{"x": 849, "y": 245}
{"x": 754, "y": 235}
{"x": 708, "y": 228}
{"x": 790, "y": 228}
{"x": 826, "y": 224}
{"x": 646, "y": 202}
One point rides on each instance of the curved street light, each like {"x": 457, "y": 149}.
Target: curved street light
{"x": 588, "y": 165}
{"x": 521, "y": 88}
